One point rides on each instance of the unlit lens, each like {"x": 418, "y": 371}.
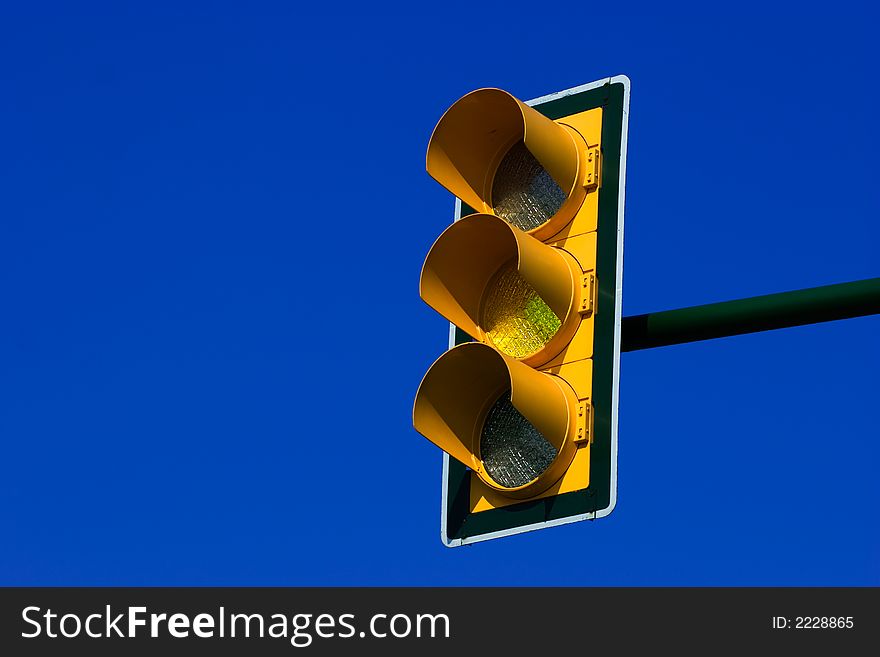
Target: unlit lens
{"x": 523, "y": 193}
{"x": 513, "y": 451}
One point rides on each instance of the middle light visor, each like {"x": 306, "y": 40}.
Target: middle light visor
{"x": 515, "y": 318}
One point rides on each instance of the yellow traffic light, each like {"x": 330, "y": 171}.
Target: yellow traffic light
{"x": 519, "y": 275}
{"x": 503, "y": 287}
{"x": 501, "y": 156}
{"x": 516, "y": 428}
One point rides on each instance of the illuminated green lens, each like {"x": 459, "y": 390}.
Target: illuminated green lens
{"x": 515, "y": 317}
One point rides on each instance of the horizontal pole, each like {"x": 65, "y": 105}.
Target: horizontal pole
{"x": 764, "y": 313}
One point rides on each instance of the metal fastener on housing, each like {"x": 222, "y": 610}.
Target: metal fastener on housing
{"x": 587, "y": 288}
{"x": 591, "y": 177}
{"x": 583, "y": 424}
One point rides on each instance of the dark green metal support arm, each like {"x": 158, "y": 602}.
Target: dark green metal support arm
{"x": 764, "y": 313}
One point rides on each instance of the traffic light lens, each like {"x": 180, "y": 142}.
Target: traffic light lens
{"x": 523, "y": 193}
{"x": 515, "y": 317}
{"x": 513, "y": 451}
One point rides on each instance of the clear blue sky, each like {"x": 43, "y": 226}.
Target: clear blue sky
{"x": 212, "y": 222}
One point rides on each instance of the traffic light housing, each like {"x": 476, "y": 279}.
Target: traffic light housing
{"x": 525, "y": 401}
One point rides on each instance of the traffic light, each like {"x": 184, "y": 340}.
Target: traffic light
{"x": 529, "y": 275}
